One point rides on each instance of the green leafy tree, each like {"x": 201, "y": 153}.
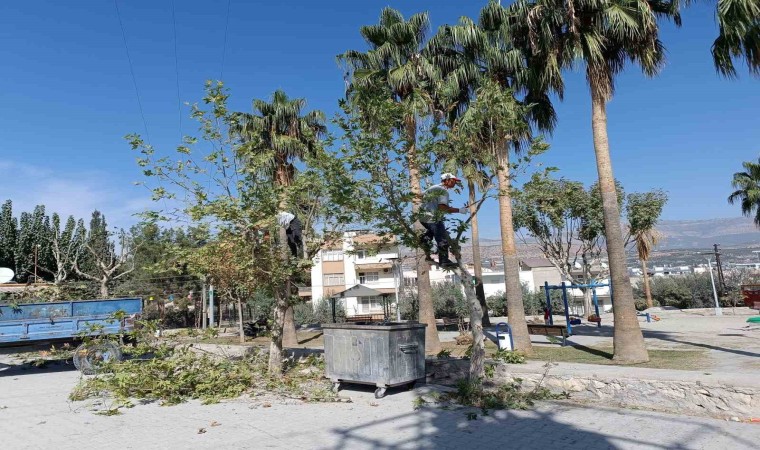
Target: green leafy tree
{"x": 496, "y": 122}
{"x": 747, "y": 190}
{"x": 604, "y": 36}
{"x": 32, "y": 243}
{"x": 382, "y": 198}
{"x": 565, "y": 220}
{"x": 279, "y": 134}
{"x": 643, "y": 211}
{"x": 8, "y": 232}
{"x": 399, "y": 67}
{"x": 219, "y": 182}
{"x": 483, "y": 62}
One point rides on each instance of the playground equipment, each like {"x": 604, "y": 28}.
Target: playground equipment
{"x": 564, "y": 287}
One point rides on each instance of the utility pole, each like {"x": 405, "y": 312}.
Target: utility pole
{"x": 36, "y": 249}
{"x": 719, "y": 266}
{"x": 718, "y": 312}
{"x": 211, "y": 305}
{"x": 204, "y": 317}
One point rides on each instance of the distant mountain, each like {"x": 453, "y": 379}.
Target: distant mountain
{"x": 678, "y": 235}
{"x": 735, "y": 231}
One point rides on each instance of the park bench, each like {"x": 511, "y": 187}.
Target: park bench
{"x": 549, "y": 330}
{"x": 365, "y": 318}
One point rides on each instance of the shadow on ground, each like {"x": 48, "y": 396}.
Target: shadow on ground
{"x": 432, "y": 427}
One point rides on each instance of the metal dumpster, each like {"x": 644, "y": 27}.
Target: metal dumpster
{"x": 385, "y": 355}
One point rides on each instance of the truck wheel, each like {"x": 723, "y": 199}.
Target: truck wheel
{"x": 90, "y": 356}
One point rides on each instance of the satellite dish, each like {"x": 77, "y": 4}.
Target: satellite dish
{"x": 6, "y": 275}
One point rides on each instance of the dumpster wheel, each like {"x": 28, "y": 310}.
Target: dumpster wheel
{"x": 380, "y": 392}
{"x": 89, "y": 356}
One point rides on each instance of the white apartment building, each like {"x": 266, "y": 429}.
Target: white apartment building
{"x": 359, "y": 259}
{"x": 362, "y": 259}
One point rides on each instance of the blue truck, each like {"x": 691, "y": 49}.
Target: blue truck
{"x": 34, "y": 323}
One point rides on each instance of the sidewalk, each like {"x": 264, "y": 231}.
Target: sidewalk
{"x": 35, "y": 413}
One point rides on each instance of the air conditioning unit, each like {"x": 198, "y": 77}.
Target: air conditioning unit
{"x": 385, "y": 270}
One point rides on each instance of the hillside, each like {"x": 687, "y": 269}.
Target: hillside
{"x": 735, "y": 231}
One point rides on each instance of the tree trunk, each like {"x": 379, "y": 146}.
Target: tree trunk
{"x": 477, "y": 263}
{"x": 424, "y": 292}
{"x": 477, "y": 357}
{"x": 588, "y": 304}
{"x": 240, "y": 320}
{"x": 104, "y": 288}
{"x": 628, "y": 341}
{"x": 282, "y": 301}
{"x": 647, "y": 291}
{"x": 515, "y": 307}
{"x": 289, "y": 337}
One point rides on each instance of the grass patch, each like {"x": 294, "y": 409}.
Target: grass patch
{"x": 658, "y": 359}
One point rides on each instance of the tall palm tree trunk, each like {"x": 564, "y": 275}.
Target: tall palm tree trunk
{"x": 628, "y": 341}
{"x": 515, "y": 308}
{"x": 424, "y": 292}
{"x": 647, "y": 290}
{"x": 475, "y": 236}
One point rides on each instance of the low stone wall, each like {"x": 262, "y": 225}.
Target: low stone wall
{"x": 713, "y": 398}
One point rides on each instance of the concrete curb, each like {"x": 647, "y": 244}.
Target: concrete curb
{"x": 684, "y": 392}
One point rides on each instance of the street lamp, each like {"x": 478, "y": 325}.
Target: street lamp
{"x": 718, "y": 311}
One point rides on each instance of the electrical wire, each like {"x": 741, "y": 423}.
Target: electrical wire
{"x": 176, "y": 72}
{"x": 131, "y": 70}
{"x": 224, "y": 49}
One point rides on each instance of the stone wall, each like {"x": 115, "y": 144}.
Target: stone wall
{"x": 712, "y": 398}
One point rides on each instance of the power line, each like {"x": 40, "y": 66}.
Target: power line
{"x": 224, "y": 49}
{"x": 131, "y": 70}
{"x": 176, "y": 72}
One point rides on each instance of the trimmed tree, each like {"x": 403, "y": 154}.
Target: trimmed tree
{"x": 398, "y": 66}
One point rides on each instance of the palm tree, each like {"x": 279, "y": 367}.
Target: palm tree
{"x": 747, "y": 193}
{"x": 399, "y": 65}
{"x": 280, "y": 132}
{"x": 643, "y": 211}
{"x": 483, "y": 58}
{"x": 604, "y": 35}
{"x": 739, "y": 35}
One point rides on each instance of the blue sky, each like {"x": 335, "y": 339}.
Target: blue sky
{"x": 68, "y": 98}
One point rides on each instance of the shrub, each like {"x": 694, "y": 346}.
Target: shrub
{"x": 319, "y": 311}
{"x": 449, "y": 300}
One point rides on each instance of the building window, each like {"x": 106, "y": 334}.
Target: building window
{"x": 334, "y": 279}
{"x": 332, "y": 255}
{"x": 370, "y": 304}
{"x": 368, "y": 277}
{"x": 361, "y": 254}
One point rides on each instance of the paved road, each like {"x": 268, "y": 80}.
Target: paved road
{"x": 35, "y": 413}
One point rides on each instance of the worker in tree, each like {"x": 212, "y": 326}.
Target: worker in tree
{"x": 435, "y": 205}
{"x": 293, "y": 231}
